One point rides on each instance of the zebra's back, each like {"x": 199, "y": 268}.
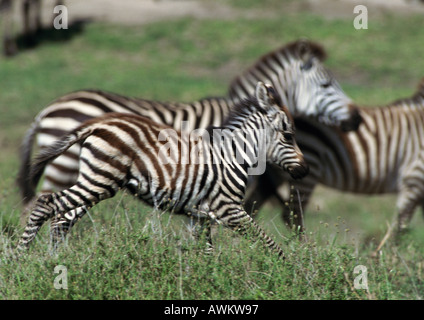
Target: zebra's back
{"x": 67, "y": 112}
{"x": 151, "y": 164}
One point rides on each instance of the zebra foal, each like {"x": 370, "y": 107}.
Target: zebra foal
{"x": 128, "y": 151}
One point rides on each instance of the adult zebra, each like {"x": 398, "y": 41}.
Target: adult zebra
{"x": 304, "y": 85}
{"x": 295, "y": 70}
{"x": 385, "y": 155}
{"x": 122, "y": 151}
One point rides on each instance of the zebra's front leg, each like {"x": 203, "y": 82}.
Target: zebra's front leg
{"x": 201, "y": 230}
{"x": 264, "y": 187}
{"x": 241, "y": 222}
{"x": 260, "y": 190}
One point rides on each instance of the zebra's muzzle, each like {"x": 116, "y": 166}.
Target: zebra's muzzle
{"x": 299, "y": 171}
{"x": 355, "y": 119}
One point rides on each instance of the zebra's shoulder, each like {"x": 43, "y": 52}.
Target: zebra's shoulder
{"x": 418, "y": 96}
{"x": 420, "y": 87}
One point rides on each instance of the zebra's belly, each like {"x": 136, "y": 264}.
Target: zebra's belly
{"x": 175, "y": 200}
{"x": 363, "y": 184}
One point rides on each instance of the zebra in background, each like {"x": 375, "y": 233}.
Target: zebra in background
{"x": 122, "y": 151}
{"x": 303, "y": 83}
{"x": 9, "y": 45}
{"x": 385, "y": 155}
{"x": 31, "y": 20}
{"x": 295, "y": 70}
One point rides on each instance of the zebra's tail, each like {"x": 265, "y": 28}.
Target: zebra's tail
{"x": 26, "y": 190}
{"x": 52, "y": 152}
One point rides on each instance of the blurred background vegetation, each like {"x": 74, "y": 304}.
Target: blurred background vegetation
{"x": 186, "y": 50}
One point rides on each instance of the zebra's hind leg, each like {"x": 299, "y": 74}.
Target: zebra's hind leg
{"x": 73, "y": 204}
{"x": 43, "y": 210}
{"x": 65, "y": 207}
{"x": 411, "y": 194}
{"x": 407, "y": 206}
{"x": 408, "y": 200}
{"x": 62, "y": 223}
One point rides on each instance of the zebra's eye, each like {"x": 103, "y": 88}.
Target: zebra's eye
{"x": 307, "y": 65}
{"x": 288, "y": 136}
{"x": 280, "y": 124}
{"x": 326, "y": 84}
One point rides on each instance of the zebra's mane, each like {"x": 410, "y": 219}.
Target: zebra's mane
{"x": 242, "y": 110}
{"x": 299, "y": 50}
{"x": 279, "y": 60}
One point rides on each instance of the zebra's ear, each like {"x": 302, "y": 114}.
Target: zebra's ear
{"x": 266, "y": 95}
{"x": 304, "y": 52}
{"x": 306, "y": 49}
{"x": 303, "y": 49}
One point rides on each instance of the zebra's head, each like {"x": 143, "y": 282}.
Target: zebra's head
{"x": 281, "y": 147}
{"x": 306, "y": 87}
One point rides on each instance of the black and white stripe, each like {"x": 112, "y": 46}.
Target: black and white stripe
{"x": 385, "y": 155}
{"x": 127, "y": 151}
{"x": 66, "y": 113}
{"x": 304, "y": 84}
{"x": 295, "y": 70}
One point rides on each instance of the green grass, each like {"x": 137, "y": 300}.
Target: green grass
{"x": 124, "y": 250}
{"x": 129, "y": 252}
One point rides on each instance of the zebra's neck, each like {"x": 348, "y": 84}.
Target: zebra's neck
{"x": 242, "y": 139}
{"x": 280, "y": 67}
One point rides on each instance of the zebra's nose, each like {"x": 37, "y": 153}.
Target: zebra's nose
{"x": 299, "y": 171}
{"x": 355, "y": 119}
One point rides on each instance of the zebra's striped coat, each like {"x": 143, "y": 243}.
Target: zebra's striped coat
{"x": 295, "y": 70}
{"x": 124, "y": 151}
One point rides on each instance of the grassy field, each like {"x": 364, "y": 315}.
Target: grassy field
{"x": 124, "y": 250}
